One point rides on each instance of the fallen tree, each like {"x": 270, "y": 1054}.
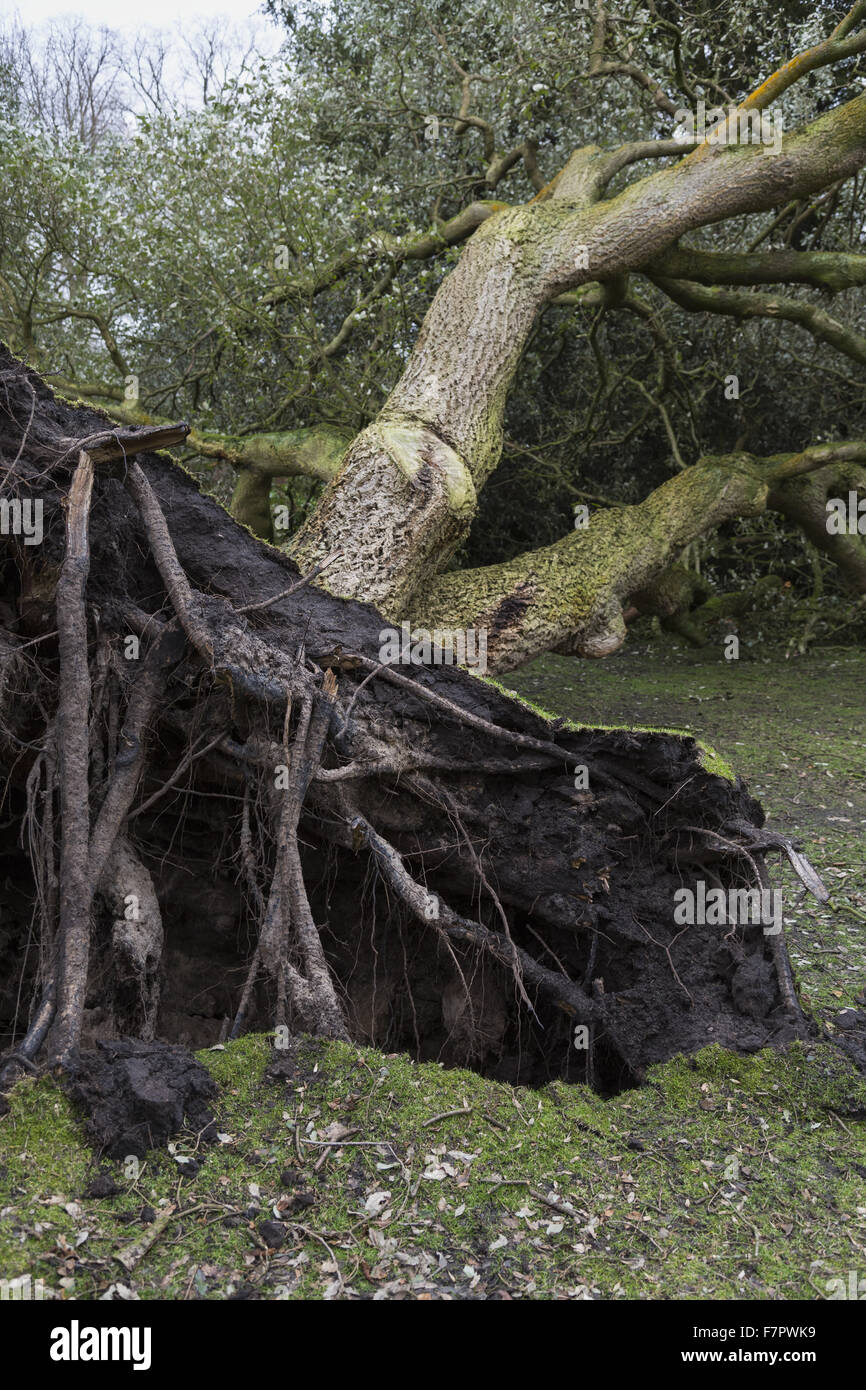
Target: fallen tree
{"x": 571, "y": 596}
{"x": 618, "y": 245}
{"x": 234, "y": 815}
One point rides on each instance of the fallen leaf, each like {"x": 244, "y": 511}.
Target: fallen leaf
{"x": 376, "y": 1203}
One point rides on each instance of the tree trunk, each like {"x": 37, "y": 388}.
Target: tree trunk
{"x": 406, "y": 492}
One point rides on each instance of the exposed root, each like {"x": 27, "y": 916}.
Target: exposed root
{"x": 136, "y": 940}
{"x": 403, "y": 858}
{"x": 76, "y": 888}
{"x": 562, "y": 992}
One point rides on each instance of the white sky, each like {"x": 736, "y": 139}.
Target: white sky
{"x": 132, "y": 17}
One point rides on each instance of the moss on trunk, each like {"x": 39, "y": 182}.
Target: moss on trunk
{"x": 569, "y": 596}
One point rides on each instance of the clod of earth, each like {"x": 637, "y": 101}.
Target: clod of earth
{"x": 136, "y": 1095}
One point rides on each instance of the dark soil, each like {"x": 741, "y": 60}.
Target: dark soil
{"x": 793, "y": 726}
{"x": 137, "y": 1095}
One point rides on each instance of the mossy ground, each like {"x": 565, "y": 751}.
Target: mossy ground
{"x": 724, "y": 1177}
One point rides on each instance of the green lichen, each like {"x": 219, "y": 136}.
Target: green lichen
{"x": 408, "y": 446}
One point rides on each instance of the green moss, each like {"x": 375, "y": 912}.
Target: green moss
{"x": 709, "y": 758}
{"x": 724, "y": 1176}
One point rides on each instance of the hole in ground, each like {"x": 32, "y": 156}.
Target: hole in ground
{"x": 406, "y": 989}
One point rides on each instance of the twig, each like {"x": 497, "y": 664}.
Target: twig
{"x": 132, "y": 1254}
{"x": 191, "y": 756}
{"x": 446, "y": 1115}
{"x": 835, "y": 906}
{"x": 298, "y": 584}
{"x": 552, "y": 1202}
{"x": 111, "y": 445}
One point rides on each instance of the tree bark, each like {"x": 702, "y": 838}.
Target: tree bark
{"x": 570, "y": 596}
{"x": 76, "y": 888}
{"x": 803, "y": 501}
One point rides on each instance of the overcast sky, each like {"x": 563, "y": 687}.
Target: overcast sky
{"x": 155, "y": 13}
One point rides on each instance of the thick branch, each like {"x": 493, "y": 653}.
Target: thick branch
{"x": 569, "y": 596}
{"x": 699, "y": 299}
{"x": 841, "y": 44}
{"x": 450, "y": 233}
{"x": 823, "y": 270}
